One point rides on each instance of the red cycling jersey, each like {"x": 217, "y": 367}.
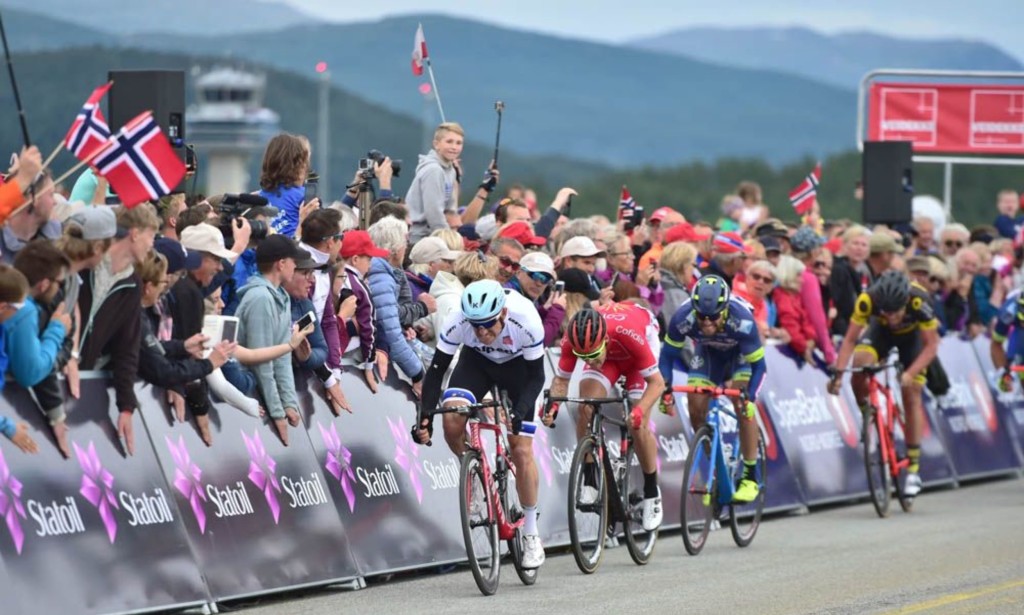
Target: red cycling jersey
{"x": 632, "y": 340}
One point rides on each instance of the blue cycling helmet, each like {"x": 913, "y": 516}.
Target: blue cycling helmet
{"x": 482, "y": 301}
{"x": 710, "y": 296}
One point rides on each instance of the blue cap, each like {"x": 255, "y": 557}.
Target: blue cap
{"x": 178, "y": 257}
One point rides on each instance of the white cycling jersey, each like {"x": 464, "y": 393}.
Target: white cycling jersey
{"x": 523, "y": 333}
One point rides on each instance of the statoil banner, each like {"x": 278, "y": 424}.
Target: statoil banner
{"x": 258, "y": 514}
{"x": 98, "y": 532}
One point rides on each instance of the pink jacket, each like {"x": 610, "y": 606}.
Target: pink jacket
{"x": 810, "y": 295}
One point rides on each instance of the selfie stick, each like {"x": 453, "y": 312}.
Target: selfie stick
{"x": 498, "y": 107}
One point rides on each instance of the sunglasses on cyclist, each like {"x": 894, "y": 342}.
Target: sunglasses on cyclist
{"x": 486, "y": 324}
{"x": 508, "y": 263}
{"x": 540, "y": 277}
{"x": 590, "y": 355}
{"x": 711, "y": 318}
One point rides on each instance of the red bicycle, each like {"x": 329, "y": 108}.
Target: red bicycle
{"x": 488, "y": 500}
{"x": 886, "y": 466}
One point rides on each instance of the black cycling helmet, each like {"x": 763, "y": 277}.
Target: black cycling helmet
{"x": 891, "y": 291}
{"x": 710, "y": 295}
{"x": 587, "y": 332}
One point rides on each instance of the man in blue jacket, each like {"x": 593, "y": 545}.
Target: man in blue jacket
{"x": 264, "y": 315}
{"x": 13, "y": 288}
{"x": 32, "y": 349}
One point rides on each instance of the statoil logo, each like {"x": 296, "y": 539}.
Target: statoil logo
{"x": 339, "y": 463}
{"x": 444, "y": 475}
{"x": 406, "y": 455}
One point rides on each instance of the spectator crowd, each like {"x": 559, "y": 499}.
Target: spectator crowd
{"x": 85, "y": 285}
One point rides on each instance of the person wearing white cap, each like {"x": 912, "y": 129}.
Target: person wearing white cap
{"x": 535, "y": 281}
{"x": 429, "y": 256}
{"x": 582, "y": 253}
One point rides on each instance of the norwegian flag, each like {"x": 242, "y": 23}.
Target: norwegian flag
{"x": 419, "y": 51}
{"x": 626, "y": 200}
{"x": 89, "y": 131}
{"x": 139, "y": 163}
{"x": 803, "y": 196}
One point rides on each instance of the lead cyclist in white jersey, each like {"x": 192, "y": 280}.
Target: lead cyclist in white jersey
{"x": 503, "y": 344}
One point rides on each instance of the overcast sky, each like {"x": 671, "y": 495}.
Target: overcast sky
{"x": 1000, "y": 22}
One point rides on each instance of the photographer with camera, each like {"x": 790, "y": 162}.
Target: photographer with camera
{"x": 375, "y": 166}
{"x": 286, "y": 181}
{"x": 433, "y": 194}
{"x": 244, "y": 221}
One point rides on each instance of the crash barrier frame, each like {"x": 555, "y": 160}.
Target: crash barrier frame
{"x": 180, "y": 525}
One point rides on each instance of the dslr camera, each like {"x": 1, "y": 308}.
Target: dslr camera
{"x": 235, "y": 206}
{"x": 374, "y": 157}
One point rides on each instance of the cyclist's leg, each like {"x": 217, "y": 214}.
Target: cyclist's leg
{"x": 699, "y": 373}
{"x": 747, "y": 416}
{"x": 468, "y": 375}
{"x": 909, "y": 347}
{"x": 646, "y": 447}
{"x": 509, "y": 377}
{"x": 594, "y": 383}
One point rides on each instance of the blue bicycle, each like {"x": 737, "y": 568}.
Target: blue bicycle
{"x": 713, "y": 470}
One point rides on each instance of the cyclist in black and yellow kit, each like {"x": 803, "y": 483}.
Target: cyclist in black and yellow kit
{"x": 897, "y": 315}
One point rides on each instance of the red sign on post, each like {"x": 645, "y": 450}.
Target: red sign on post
{"x": 965, "y": 119}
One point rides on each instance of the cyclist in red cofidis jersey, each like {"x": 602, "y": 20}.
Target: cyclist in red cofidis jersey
{"x": 618, "y": 340}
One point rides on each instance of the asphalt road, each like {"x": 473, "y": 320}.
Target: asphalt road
{"x": 960, "y": 551}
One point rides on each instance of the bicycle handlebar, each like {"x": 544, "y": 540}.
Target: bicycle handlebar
{"x": 588, "y": 401}
{"x": 706, "y": 390}
{"x": 871, "y": 370}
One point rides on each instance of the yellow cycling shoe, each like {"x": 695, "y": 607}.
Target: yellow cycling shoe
{"x": 747, "y": 491}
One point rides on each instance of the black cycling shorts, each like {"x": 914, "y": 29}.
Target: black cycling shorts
{"x": 880, "y": 340}
{"x": 478, "y": 374}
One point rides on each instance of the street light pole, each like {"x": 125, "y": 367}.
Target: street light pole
{"x": 323, "y": 145}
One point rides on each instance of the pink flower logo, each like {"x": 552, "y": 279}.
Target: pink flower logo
{"x": 406, "y": 452}
{"x": 10, "y": 503}
{"x": 261, "y": 472}
{"x": 542, "y": 454}
{"x": 186, "y": 480}
{"x": 339, "y": 463}
{"x": 98, "y": 487}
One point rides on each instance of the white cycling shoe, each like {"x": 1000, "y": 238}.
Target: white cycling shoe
{"x": 533, "y": 552}
{"x": 588, "y": 495}
{"x": 913, "y": 485}
{"x": 652, "y": 513}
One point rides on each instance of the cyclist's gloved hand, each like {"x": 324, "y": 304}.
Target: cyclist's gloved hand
{"x": 1006, "y": 381}
{"x": 667, "y": 404}
{"x": 751, "y": 409}
{"x": 422, "y": 430}
{"x": 835, "y": 384}
{"x": 517, "y": 425}
{"x": 549, "y": 414}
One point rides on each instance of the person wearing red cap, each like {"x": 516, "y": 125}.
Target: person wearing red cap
{"x": 522, "y": 231}
{"x": 357, "y": 252}
{"x": 730, "y": 252}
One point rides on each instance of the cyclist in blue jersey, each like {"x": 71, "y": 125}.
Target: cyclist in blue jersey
{"x": 1009, "y": 325}
{"x": 726, "y": 347}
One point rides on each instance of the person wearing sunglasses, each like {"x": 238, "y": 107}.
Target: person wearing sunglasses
{"x": 895, "y": 314}
{"x": 502, "y": 342}
{"x": 508, "y": 252}
{"x": 616, "y": 340}
{"x": 726, "y": 349}
{"x": 952, "y": 238}
{"x": 535, "y": 281}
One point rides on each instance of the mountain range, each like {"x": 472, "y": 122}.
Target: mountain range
{"x": 839, "y": 59}
{"x": 607, "y": 104}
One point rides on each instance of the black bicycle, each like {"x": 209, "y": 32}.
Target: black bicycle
{"x": 607, "y": 492}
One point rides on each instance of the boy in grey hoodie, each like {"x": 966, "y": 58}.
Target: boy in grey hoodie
{"x": 433, "y": 194}
{"x": 264, "y": 314}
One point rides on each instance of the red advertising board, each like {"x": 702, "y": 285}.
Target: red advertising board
{"x": 939, "y": 117}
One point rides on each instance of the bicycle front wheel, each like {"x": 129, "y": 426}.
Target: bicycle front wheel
{"x": 698, "y": 494}
{"x": 876, "y": 465}
{"x": 587, "y": 505}
{"x": 513, "y": 513}
{"x": 479, "y": 527}
{"x": 639, "y": 541}
{"x": 744, "y": 519}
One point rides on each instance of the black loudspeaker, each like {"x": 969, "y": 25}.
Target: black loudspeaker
{"x": 888, "y": 182}
{"x": 162, "y": 91}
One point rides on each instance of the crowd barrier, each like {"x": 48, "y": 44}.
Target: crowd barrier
{"x": 181, "y": 524}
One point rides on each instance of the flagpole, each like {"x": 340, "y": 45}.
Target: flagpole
{"x": 57, "y": 181}
{"x": 52, "y": 155}
{"x": 14, "y": 84}
{"x": 433, "y": 83}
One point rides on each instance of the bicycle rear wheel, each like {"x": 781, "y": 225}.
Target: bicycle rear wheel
{"x": 639, "y": 541}
{"x": 479, "y": 527}
{"x": 588, "y": 521}
{"x": 513, "y": 513}
{"x": 876, "y": 465}
{"x": 698, "y": 494}
{"x": 744, "y": 519}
